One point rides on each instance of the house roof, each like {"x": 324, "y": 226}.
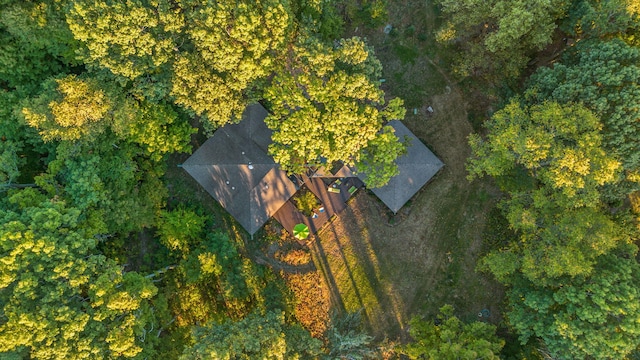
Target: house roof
{"x": 341, "y": 172}
{"x": 234, "y": 167}
{"x": 416, "y": 167}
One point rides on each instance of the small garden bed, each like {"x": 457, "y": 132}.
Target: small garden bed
{"x": 306, "y": 201}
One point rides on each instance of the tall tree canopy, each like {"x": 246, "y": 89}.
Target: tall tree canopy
{"x": 205, "y": 56}
{"x": 328, "y": 107}
{"x": 498, "y": 35}
{"x": 70, "y": 108}
{"x": 254, "y": 337}
{"x": 558, "y": 214}
{"x": 60, "y": 299}
{"x": 130, "y": 38}
{"x": 594, "y": 18}
{"x": 234, "y": 45}
{"x": 559, "y": 145}
{"x": 595, "y": 317}
{"x": 113, "y": 183}
{"x": 35, "y": 42}
{"x": 451, "y": 339}
{"x": 605, "y": 77}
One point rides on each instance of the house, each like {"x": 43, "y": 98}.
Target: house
{"x": 417, "y": 166}
{"x": 235, "y": 168}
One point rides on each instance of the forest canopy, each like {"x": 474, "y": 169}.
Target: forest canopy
{"x": 101, "y": 256}
{"x": 94, "y": 97}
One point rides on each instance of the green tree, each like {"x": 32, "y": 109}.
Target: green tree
{"x": 593, "y": 18}
{"x": 328, "y": 107}
{"x": 232, "y": 46}
{"x": 70, "y": 108}
{"x": 559, "y": 218}
{"x": 605, "y": 77}
{"x": 347, "y": 340}
{"x": 553, "y": 241}
{"x": 180, "y": 228}
{"x": 583, "y": 317}
{"x": 559, "y": 145}
{"x": 60, "y": 298}
{"x": 254, "y": 337}
{"x": 129, "y": 38}
{"x": 498, "y": 35}
{"x": 9, "y": 163}
{"x": 109, "y": 180}
{"x": 212, "y": 281}
{"x": 20, "y": 145}
{"x": 319, "y": 18}
{"x": 206, "y": 56}
{"x": 452, "y": 339}
{"x": 377, "y": 160}
{"x": 158, "y": 128}
{"x": 35, "y": 42}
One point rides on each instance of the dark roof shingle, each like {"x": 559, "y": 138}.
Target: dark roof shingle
{"x": 235, "y": 169}
{"x": 416, "y": 167}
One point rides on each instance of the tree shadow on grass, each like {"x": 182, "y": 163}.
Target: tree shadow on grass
{"x": 344, "y": 254}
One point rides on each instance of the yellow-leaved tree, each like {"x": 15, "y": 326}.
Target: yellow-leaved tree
{"x": 328, "y": 106}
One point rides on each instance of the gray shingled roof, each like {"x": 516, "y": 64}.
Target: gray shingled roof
{"x": 233, "y": 166}
{"x": 416, "y": 167}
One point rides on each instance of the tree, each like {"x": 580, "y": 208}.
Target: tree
{"x": 450, "y": 338}
{"x": 205, "y": 56}
{"x": 559, "y": 218}
{"x": 108, "y": 180}
{"x": 9, "y": 163}
{"x": 347, "y": 340}
{"x": 156, "y": 127}
{"x": 232, "y": 46}
{"x": 180, "y": 228}
{"x": 254, "y": 337}
{"x": 70, "y": 108}
{"x": 559, "y": 145}
{"x": 35, "y": 43}
{"x": 212, "y": 281}
{"x": 60, "y": 298}
{"x": 378, "y": 159}
{"x": 498, "y": 35}
{"x": 129, "y": 38}
{"x": 580, "y": 317}
{"x": 592, "y": 18}
{"x": 604, "y": 76}
{"x": 328, "y": 107}
{"x": 553, "y": 242}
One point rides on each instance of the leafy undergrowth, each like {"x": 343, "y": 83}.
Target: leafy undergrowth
{"x": 309, "y": 291}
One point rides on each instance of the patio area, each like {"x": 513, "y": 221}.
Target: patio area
{"x": 332, "y": 194}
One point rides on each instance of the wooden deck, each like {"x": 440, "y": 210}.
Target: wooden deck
{"x": 333, "y": 202}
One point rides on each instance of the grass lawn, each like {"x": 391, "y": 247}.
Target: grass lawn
{"x": 394, "y": 267}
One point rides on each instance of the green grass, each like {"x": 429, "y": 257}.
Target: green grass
{"x": 406, "y": 54}
{"x": 424, "y": 257}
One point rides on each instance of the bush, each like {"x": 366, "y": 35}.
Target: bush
{"x": 306, "y": 201}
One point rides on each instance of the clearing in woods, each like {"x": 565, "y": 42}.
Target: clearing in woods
{"x": 396, "y": 266}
